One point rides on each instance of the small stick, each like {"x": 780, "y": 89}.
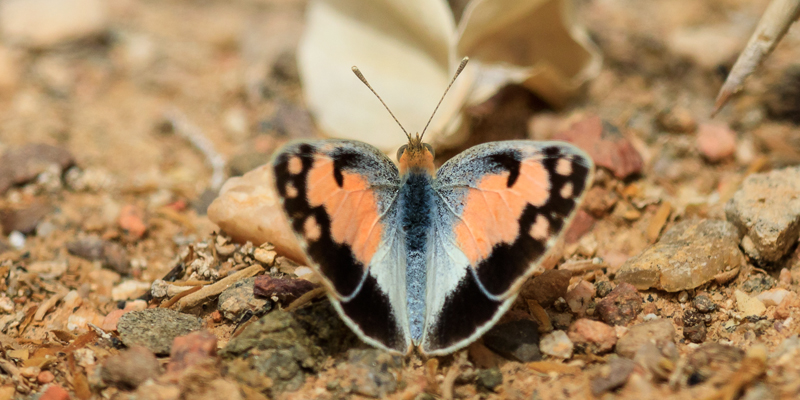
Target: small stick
{"x": 204, "y": 294}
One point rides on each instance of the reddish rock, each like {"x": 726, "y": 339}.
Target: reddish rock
{"x": 659, "y": 331}
{"x": 621, "y": 306}
{"x": 45, "y": 377}
{"x": 190, "y": 350}
{"x": 110, "y": 321}
{"x": 593, "y": 336}
{"x": 605, "y": 144}
{"x": 55, "y": 392}
{"x": 285, "y": 289}
{"x": 599, "y": 201}
{"x": 130, "y": 368}
{"x": 581, "y": 224}
{"x": 547, "y": 287}
{"x": 131, "y": 220}
{"x": 579, "y": 297}
{"x": 716, "y": 141}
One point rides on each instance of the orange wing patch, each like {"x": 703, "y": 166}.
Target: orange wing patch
{"x": 352, "y": 208}
{"x": 492, "y": 209}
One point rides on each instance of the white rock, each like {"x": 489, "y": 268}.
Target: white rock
{"x": 708, "y": 46}
{"x": 129, "y": 290}
{"x": 556, "y": 344}
{"x": 16, "y": 239}
{"x": 749, "y": 306}
{"x": 773, "y": 297}
{"x": 45, "y": 23}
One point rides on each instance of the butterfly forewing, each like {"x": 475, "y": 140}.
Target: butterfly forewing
{"x": 501, "y": 206}
{"x": 339, "y": 197}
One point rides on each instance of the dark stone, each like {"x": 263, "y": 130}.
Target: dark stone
{"x": 285, "y": 289}
{"x": 619, "y": 371}
{"x": 621, "y": 306}
{"x": 711, "y": 359}
{"x": 695, "y": 333}
{"x": 239, "y": 299}
{"x": 156, "y": 328}
{"x": 603, "y": 288}
{"x": 759, "y": 283}
{"x": 516, "y": 340}
{"x": 489, "y": 379}
{"x": 692, "y": 317}
{"x": 547, "y": 287}
{"x": 287, "y": 347}
{"x": 704, "y": 304}
{"x": 372, "y": 372}
{"x": 112, "y": 255}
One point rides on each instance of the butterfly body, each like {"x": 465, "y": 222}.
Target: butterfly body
{"x": 419, "y": 258}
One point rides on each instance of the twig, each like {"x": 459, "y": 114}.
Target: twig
{"x": 48, "y": 304}
{"x": 203, "y": 295}
{"x": 777, "y": 19}
{"x": 194, "y": 135}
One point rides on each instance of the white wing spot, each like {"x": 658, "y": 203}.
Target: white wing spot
{"x": 564, "y": 167}
{"x": 291, "y": 191}
{"x": 540, "y": 230}
{"x": 295, "y": 165}
{"x": 566, "y": 190}
{"x": 311, "y": 229}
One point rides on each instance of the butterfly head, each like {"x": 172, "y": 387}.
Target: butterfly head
{"x": 415, "y": 156}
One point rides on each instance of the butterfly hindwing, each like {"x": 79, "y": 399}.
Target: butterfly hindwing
{"x": 339, "y": 197}
{"x": 500, "y": 207}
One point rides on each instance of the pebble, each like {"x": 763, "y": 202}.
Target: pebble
{"x": 677, "y": 119}
{"x": 111, "y": 320}
{"x": 773, "y": 297}
{"x": 130, "y": 368}
{"x": 580, "y": 297}
{"x": 129, "y": 289}
{"x": 488, "y": 379}
{"x": 592, "y": 336}
{"x": 603, "y": 288}
{"x": 716, "y": 141}
{"x": 112, "y": 255}
{"x": 709, "y": 46}
{"x": 155, "y": 328}
{"x": 16, "y": 239}
{"x": 54, "y": 392}
{"x": 767, "y": 209}
{"x": 284, "y": 289}
{"x": 131, "y": 220}
{"x": 23, "y": 164}
{"x": 605, "y": 144}
{"x": 621, "y": 306}
{"x": 515, "y": 340}
{"x": 239, "y": 298}
{"x": 46, "y": 23}
{"x": 748, "y": 306}
{"x": 612, "y": 375}
{"x": 370, "y": 372}
{"x": 23, "y": 219}
{"x": 660, "y": 361}
{"x": 190, "y": 350}
{"x": 659, "y": 332}
{"x": 710, "y": 359}
{"x": 45, "y": 377}
{"x": 785, "y": 277}
{"x": 547, "y": 287}
{"x": 599, "y": 201}
{"x": 695, "y": 333}
{"x": 704, "y": 304}
{"x": 557, "y": 344}
{"x": 248, "y": 209}
{"x": 691, "y": 253}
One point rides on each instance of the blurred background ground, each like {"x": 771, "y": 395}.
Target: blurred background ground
{"x": 143, "y": 101}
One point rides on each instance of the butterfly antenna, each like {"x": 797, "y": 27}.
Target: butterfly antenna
{"x": 361, "y": 76}
{"x": 458, "y": 72}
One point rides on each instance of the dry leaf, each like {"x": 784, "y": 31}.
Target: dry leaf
{"x": 409, "y": 50}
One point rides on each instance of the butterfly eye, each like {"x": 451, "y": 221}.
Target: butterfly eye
{"x": 401, "y": 150}
{"x": 430, "y": 149}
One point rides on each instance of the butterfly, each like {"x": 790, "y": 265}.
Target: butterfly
{"x": 419, "y": 258}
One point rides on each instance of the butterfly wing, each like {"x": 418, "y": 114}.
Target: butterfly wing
{"x": 340, "y": 199}
{"x": 500, "y": 207}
